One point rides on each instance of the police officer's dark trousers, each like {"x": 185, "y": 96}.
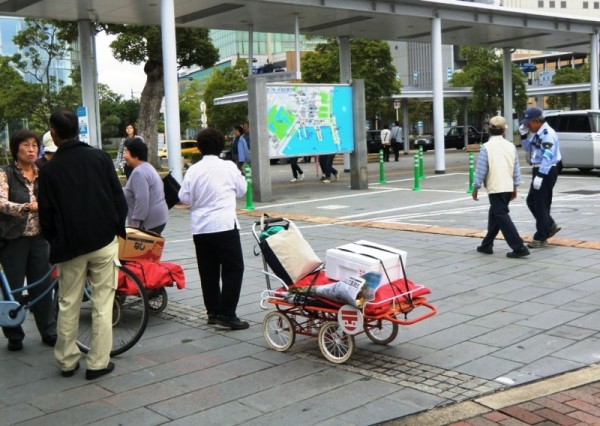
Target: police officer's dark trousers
{"x": 539, "y": 202}
{"x": 499, "y": 220}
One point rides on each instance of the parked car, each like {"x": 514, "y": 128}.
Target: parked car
{"x": 579, "y": 138}
{"x": 373, "y": 141}
{"x": 188, "y": 146}
{"x": 453, "y": 138}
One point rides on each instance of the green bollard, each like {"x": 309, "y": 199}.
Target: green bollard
{"x": 381, "y": 172}
{"x": 417, "y": 186}
{"x": 471, "y": 172}
{"x": 421, "y": 165}
{"x": 248, "y": 174}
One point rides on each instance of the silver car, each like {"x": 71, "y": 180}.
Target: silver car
{"x": 579, "y": 137}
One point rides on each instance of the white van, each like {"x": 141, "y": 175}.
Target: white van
{"x": 579, "y": 136}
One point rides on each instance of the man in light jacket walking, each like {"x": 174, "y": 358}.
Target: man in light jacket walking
{"x": 498, "y": 170}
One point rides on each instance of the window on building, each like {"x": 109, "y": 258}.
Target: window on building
{"x": 597, "y": 5}
{"x": 586, "y": 5}
{"x": 552, "y": 4}
{"x": 563, "y": 4}
{"x": 541, "y": 3}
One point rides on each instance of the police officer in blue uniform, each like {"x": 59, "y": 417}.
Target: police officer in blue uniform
{"x": 544, "y": 151}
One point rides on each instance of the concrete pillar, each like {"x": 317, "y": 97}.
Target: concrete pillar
{"x": 466, "y": 119}
{"x": 508, "y": 93}
{"x": 169, "y": 48}
{"x": 438, "y": 95}
{"x": 358, "y": 159}
{"x": 259, "y": 135}
{"x": 405, "y": 126}
{"x": 345, "y": 78}
{"x": 297, "y": 46}
{"x": 89, "y": 80}
{"x": 594, "y": 103}
{"x": 250, "y": 50}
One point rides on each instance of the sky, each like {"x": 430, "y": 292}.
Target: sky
{"x": 122, "y": 77}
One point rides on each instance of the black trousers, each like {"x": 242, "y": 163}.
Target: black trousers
{"x": 499, "y": 220}
{"x": 396, "y": 148}
{"x": 539, "y": 202}
{"x": 386, "y": 152}
{"x": 27, "y": 257}
{"x": 295, "y": 167}
{"x": 219, "y": 256}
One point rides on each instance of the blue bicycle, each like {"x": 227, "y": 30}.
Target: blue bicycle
{"x": 130, "y": 309}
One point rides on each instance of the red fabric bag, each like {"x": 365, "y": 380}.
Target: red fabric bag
{"x": 152, "y": 276}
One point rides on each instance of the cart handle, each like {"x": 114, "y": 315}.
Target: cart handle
{"x": 431, "y": 312}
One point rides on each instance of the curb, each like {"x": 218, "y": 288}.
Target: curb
{"x": 501, "y": 399}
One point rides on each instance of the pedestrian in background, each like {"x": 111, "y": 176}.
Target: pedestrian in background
{"x": 296, "y": 170}
{"x": 49, "y": 149}
{"x": 23, "y": 250}
{"x": 210, "y": 187}
{"x": 544, "y": 151}
{"x": 82, "y": 211}
{"x": 498, "y": 170}
{"x": 396, "y": 139}
{"x": 385, "y": 142}
{"x": 130, "y": 134}
{"x": 240, "y": 153}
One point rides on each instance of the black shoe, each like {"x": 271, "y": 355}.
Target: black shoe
{"x": 69, "y": 373}
{"x": 554, "y": 230}
{"x": 15, "y": 345}
{"x": 212, "y": 320}
{"x": 485, "y": 249}
{"x": 522, "y": 252}
{"x": 233, "y": 323}
{"x": 94, "y": 374}
{"x": 49, "y": 340}
{"x": 537, "y": 244}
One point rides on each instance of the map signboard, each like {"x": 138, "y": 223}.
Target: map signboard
{"x": 309, "y": 119}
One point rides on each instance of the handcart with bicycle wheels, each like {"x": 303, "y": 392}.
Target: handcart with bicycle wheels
{"x": 299, "y": 310}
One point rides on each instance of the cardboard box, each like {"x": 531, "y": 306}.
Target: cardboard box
{"x": 141, "y": 245}
{"x": 362, "y": 256}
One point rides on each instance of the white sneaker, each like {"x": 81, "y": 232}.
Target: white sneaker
{"x": 326, "y": 181}
{"x": 301, "y": 176}
{"x": 294, "y": 180}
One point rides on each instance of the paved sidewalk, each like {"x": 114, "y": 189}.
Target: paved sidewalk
{"x": 502, "y": 324}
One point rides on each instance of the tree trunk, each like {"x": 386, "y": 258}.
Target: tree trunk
{"x": 152, "y": 96}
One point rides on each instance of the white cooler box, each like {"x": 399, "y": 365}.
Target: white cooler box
{"x": 362, "y": 256}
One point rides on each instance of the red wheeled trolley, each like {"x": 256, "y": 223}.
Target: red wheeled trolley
{"x": 399, "y": 302}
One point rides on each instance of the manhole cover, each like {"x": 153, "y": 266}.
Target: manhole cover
{"x": 582, "y": 192}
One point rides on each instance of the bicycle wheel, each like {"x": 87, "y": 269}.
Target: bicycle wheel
{"x": 380, "y": 331}
{"x": 157, "y": 300}
{"x": 336, "y": 346}
{"x": 278, "y": 331}
{"x": 130, "y": 317}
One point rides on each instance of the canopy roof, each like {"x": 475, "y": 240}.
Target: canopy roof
{"x": 402, "y": 20}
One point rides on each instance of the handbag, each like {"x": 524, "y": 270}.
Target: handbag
{"x": 288, "y": 254}
{"x": 172, "y": 188}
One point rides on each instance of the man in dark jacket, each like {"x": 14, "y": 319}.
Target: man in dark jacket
{"x": 82, "y": 211}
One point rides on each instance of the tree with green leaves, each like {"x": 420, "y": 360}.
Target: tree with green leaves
{"x": 42, "y": 46}
{"x": 143, "y": 44}
{"x": 371, "y": 61}
{"x": 483, "y": 72}
{"x": 189, "y": 106}
{"x": 579, "y": 100}
{"x": 17, "y": 97}
{"x": 224, "y": 82}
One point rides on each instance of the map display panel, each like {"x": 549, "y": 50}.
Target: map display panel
{"x": 309, "y": 120}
